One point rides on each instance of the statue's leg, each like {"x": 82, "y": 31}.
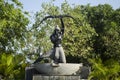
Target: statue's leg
{"x": 56, "y": 55}
{"x": 62, "y": 55}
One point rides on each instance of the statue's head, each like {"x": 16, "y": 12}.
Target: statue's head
{"x": 57, "y": 29}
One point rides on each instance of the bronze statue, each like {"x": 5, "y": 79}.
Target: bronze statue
{"x": 57, "y": 55}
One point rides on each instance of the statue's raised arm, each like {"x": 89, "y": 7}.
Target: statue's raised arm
{"x": 55, "y": 16}
{"x": 62, "y": 26}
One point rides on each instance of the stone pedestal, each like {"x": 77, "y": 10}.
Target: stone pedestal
{"x": 42, "y": 77}
{"x": 61, "y": 72}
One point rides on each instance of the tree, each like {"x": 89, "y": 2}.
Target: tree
{"x": 105, "y": 21}
{"x": 12, "y": 67}
{"x": 13, "y": 22}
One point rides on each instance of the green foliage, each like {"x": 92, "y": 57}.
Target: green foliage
{"x": 104, "y": 20}
{"x": 13, "y": 22}
{"x": 95, "y": 33}
{"x": 12, "y": 67}
{"x": 108, "y": 70}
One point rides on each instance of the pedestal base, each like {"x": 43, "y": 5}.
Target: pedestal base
{"x": 41, "y": 77}
{"x": 32, "y": 74}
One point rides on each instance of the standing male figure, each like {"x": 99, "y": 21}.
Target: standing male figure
{"x": 56, "y": 39}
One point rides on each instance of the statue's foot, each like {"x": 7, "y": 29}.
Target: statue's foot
{"x": 55, "y": 64}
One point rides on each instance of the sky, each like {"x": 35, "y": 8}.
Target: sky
{"x": 35, "y": 5}
{"x": 32, "y": 6}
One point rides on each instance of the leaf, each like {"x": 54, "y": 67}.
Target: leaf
{"x": 9, "y": 60}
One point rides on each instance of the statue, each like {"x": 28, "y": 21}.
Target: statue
{"x": 56, "y": 39}
{"x": 57, "y": 55}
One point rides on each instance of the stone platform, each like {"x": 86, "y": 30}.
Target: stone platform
{"x": 33, "y": 74}
{"x": 47, "y": 71}
{"x": 39, "y": 77}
